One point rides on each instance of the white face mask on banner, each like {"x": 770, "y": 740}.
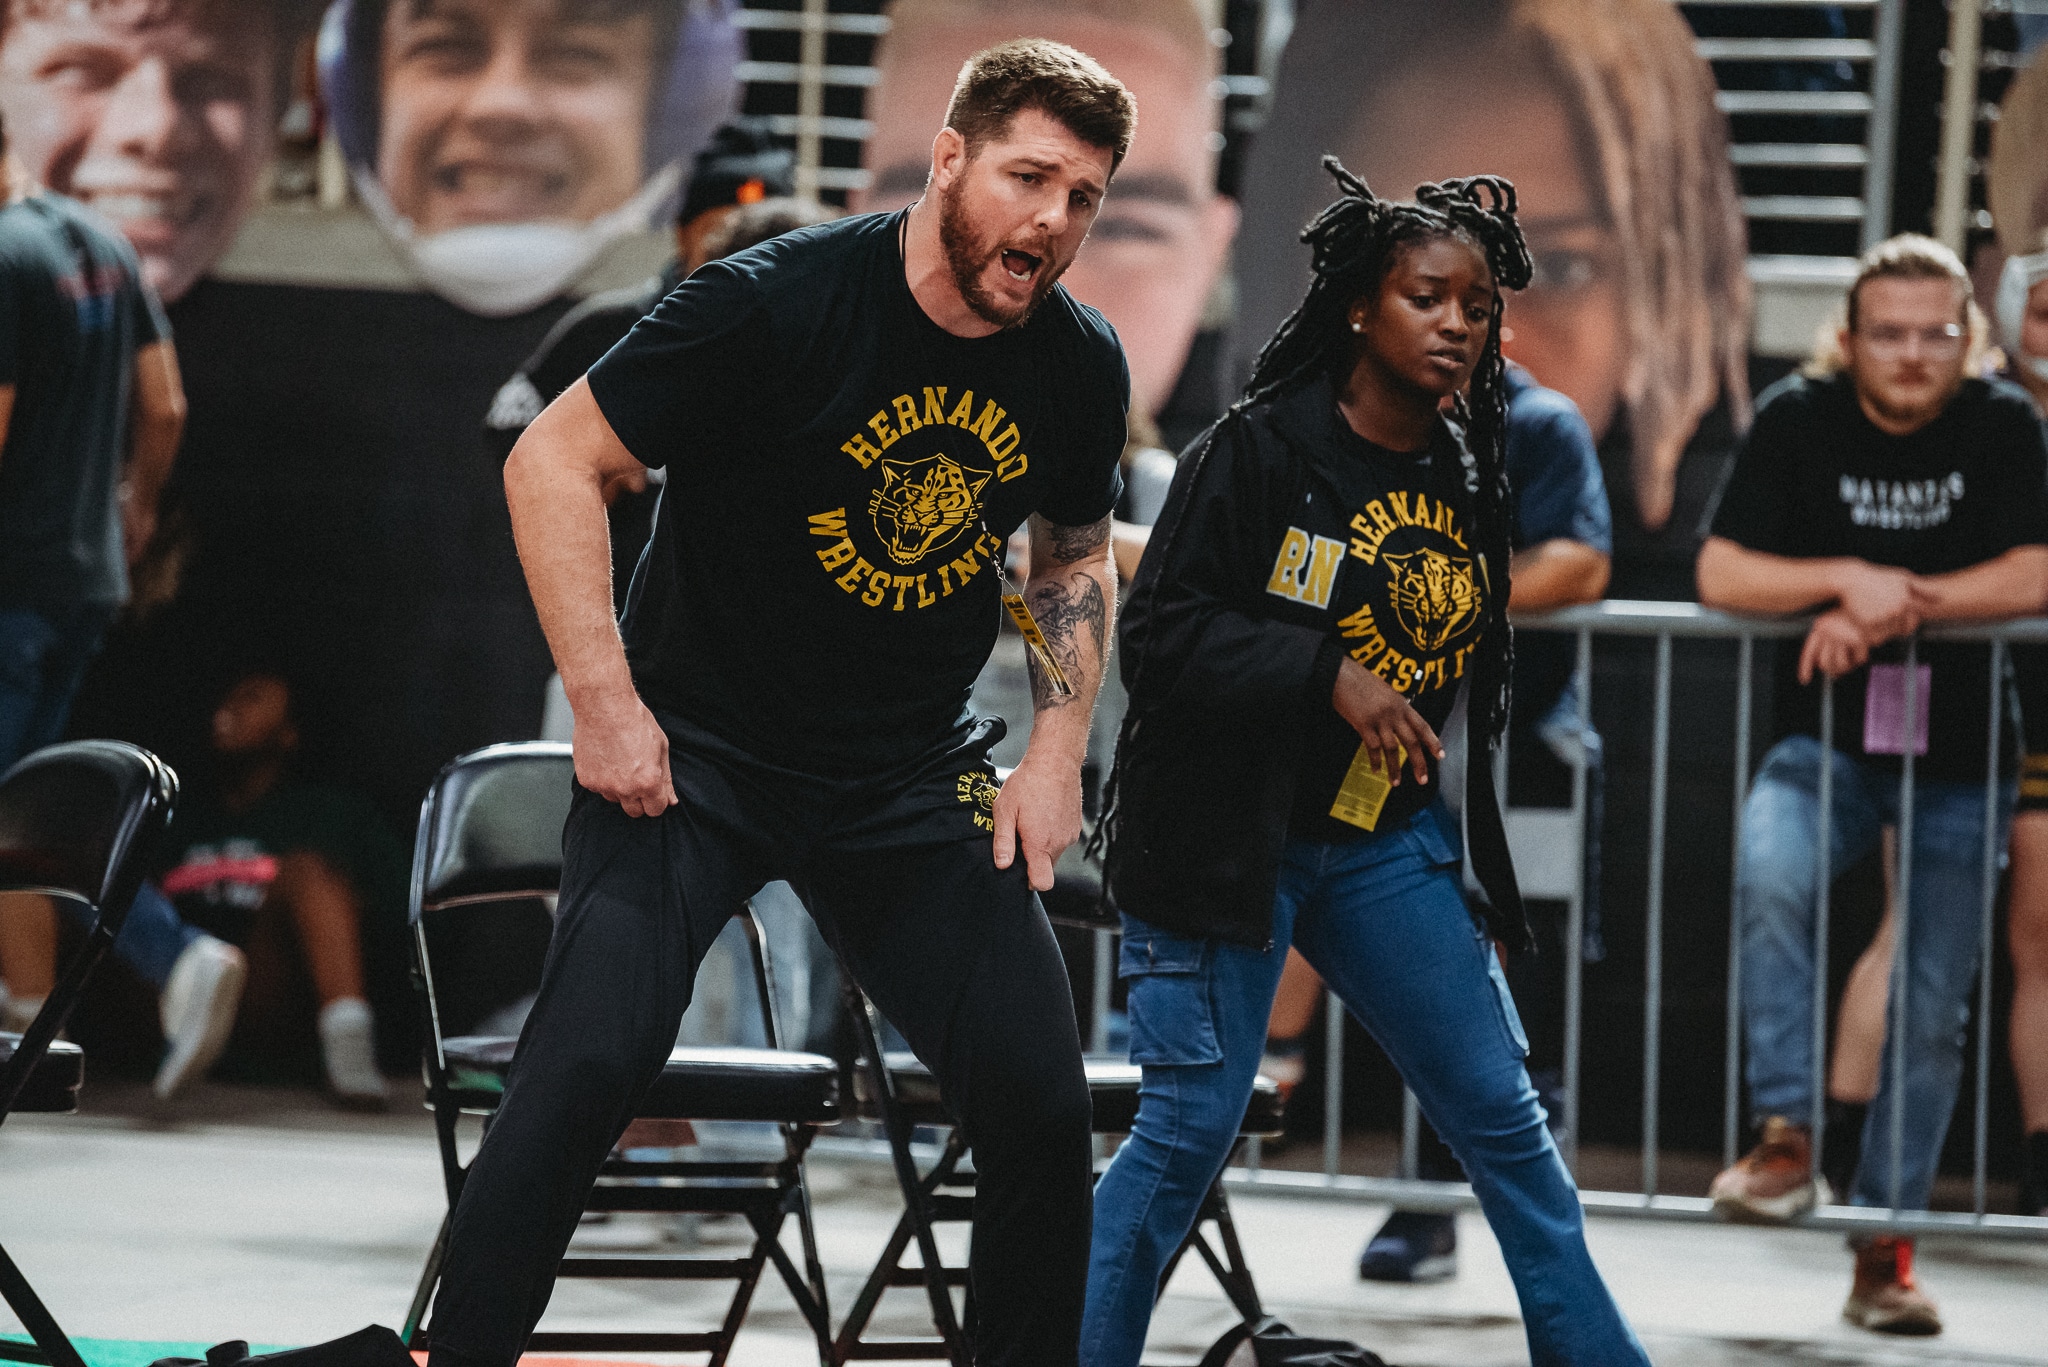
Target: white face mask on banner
{"x": 2015, "y": 283}
{"x": 499, "y": 269}
{"x": 502, "y": 178}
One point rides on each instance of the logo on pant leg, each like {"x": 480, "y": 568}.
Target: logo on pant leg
{"x": 978, "y": 789}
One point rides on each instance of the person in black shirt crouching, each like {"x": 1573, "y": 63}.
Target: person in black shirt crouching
{"x": 853, "y": 419}
{"x": 1885, "y": 491}
{"x": 1330, "y": 570}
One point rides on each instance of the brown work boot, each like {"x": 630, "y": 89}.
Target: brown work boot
{"x": 1774, "y": 1182}
{"x": 1885, "y": 1299}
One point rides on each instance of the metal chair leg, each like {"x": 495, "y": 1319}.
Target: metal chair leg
{"x": 917, "y": 1208}
{"x": 1235, "y": 1276}
{"x": 814, "y": 1268}
{"x": 40, "y": 1323}
{"x": 1230, "y": 1269}
{"x": 423, "y": 1295}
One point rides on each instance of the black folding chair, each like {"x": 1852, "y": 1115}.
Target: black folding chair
{"x": 490, "y": 838}
{"x": 78, "y": 821}
{"x": 901, "y": 1094}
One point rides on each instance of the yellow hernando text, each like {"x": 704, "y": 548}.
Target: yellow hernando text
{"x": 905, "y": 414}
{"x": 1380, "y": 518}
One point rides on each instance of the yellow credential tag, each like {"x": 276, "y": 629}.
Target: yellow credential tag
{"x": 1027, "y": 626}
{"x": 1363, "y": 794}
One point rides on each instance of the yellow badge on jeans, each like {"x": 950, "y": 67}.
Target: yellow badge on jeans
{"x": 1363, "y": 794}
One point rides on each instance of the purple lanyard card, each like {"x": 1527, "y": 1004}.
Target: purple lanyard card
{"x": 1884, "y": 709}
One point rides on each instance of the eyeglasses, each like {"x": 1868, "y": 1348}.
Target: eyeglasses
{"x": 1887, "y": 339}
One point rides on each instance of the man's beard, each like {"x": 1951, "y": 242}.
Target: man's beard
{"x": 967, "y": 257}
{"x": 1912, "y": 415}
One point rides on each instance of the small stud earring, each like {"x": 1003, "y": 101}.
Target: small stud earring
{"x": 1357, "y": 326}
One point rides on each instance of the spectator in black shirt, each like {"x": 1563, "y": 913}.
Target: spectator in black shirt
{"x": 90, "y": 413}
{"x": 1886, "y": 493}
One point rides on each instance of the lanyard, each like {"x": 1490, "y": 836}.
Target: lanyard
{"x": 1027, "y": 625}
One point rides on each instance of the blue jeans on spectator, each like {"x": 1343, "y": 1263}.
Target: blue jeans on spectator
{"x": 1776, "y": 882}
{"x": 152, "y": 937}
{"x": 43, "y": 655}
{"x": 1385, "y": 922}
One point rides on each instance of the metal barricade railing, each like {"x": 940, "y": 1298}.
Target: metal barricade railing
{"x": 1664, "y": 623}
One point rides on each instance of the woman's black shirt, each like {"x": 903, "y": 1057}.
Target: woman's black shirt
{"x": 1289, "y": 544}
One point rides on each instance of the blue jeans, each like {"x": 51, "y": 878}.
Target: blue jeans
{"x": 152, "y": 937}
{"x": 1776, "y": 879}
{"x": 1385, "y": 922}
{"x": 43, "y": 655}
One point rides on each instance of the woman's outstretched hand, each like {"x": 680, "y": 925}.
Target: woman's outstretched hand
{"x": 1384, "y": 721}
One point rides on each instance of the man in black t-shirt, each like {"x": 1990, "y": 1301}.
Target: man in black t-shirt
{"x": 852, "y": 418}
{"x": 90, "y": 412}
{"x": 1890, "y": 493}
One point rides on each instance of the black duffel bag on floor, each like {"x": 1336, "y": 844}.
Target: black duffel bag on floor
{"x": 374, "y": 1346}
{"x": 1269, "y": 1343}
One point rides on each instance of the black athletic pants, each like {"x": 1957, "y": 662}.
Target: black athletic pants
{"x": 958, "y": 954}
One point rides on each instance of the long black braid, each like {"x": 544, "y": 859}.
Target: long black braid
{"x": 1355, "y": 242}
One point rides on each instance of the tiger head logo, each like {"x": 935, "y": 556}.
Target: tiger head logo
{"x": 1434, "y": 597}
{"x": 923, "y": 504}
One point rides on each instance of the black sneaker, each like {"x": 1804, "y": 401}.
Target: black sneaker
{"x": 1412, "y": 1247}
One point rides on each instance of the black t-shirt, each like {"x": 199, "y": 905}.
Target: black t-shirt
{"x": 840, "y": 470}
{"x": 1407, "y": 600}
{"x": 73, "y": 312}
{"x": 221, "y": 863}
{"x": 1815, "y": 478}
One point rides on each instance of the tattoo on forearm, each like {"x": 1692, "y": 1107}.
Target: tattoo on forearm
{"x": 1073, "y": 615}
{"x": 1065, "y": 545}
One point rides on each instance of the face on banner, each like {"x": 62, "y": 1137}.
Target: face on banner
{"x": 1568, "y": 327}
{"x": 161, "y": 114}
{"x": 1163, "y": 233}
{"x": 503, "y": 144}
{"x": 1603, "y": 115}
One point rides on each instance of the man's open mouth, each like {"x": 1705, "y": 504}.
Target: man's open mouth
{"x": 1021, "y": 265}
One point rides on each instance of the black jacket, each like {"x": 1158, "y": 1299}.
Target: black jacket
{"x": 1227, "y": 680}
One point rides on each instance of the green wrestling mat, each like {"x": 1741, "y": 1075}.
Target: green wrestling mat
{"x": 136, "y": 1352}
{"x": 142, "y": 1352}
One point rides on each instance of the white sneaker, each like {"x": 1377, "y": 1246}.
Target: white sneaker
{"x": 198, "y": 1011}
{"x": 347, "y": 1050}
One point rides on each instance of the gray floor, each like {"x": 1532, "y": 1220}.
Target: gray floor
{"x": 268, "y": 1216}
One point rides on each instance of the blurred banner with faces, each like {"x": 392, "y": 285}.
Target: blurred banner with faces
{"x": 1602, "y": 114}
{"x": 502, "y": 145}
{"x": 161, "y": 114}
{"x": 2016, "y": 188}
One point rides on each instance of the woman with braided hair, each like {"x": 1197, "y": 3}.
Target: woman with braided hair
{"x": 1330, "y": 570}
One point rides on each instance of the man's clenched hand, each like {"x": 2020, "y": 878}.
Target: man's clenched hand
{"x": 622, "y": 756}
{"x": 1039, "y": 811}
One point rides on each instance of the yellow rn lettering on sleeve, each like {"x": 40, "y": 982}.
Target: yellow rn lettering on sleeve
{"x": 1305, "y": 571}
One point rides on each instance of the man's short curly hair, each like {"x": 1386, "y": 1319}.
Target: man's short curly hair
{"x": 1001, "y": 82}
